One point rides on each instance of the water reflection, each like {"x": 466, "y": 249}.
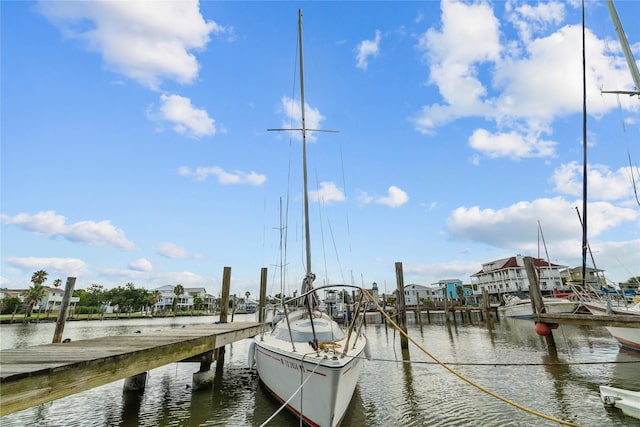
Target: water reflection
{"x": 131, "y": 404}
{"x": 507, "y": 357}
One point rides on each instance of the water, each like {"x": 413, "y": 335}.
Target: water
{"x": 507, "y": 358}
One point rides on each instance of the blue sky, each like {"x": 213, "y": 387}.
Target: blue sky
{"x": 135, "y": 144}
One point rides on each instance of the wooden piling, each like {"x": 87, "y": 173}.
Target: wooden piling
{"x": 135, "y": 382}
{"x": 263, "y": 295}
{"x": 62, "y": 315}
{"x": 419, "y": 313}
{"x": 486, "y": 302}
{"x": 445, "y": 300}
{"x": 402, "y": 309}
{"x": 224, "y": 297}
{"x": 537, "y": 303}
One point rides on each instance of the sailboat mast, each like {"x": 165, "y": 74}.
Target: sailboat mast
{"x": 584, "y": 156}
{"x": 633, "y": 67}
{"x": 304, "y": 150}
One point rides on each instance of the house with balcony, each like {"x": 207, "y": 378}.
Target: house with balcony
{"x": 509, "y": 275}
{"x": 594, "y": 278}
{"x": 184, "y": 301}
{"x": 52, "y": 301}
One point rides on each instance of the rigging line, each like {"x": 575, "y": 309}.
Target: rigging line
{"x": 286, "y": 214}
{"x": 335, "y": 249}
{"x": 515, "y": 365}
{"x": 633, "y": 178}
{"x": 344, "y": 189}
{"x": 462, "y": 377}
{"x": 626, "y": 139}
{"x": 333, "y": 240}
{"x": 324, "y": 252}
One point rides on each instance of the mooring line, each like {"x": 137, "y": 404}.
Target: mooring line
{"x": 284, "y": 405}
{"x": 462, "y": 377}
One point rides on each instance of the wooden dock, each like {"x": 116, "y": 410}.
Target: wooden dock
{"x": 30, "y": 376}
{"x": 621, "y": 320}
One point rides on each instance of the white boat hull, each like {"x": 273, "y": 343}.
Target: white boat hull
{"x": 625, "y": 400}
{"x": 627, "y": 337}
{"x": 330, "y": 378}
{"x": 525, "y": 311}
{"x": 596, "y": 307}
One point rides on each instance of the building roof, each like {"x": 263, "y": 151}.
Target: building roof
{"x": 513, "y": 262}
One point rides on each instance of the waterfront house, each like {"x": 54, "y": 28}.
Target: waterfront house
{"x": 414, "y": 293}
{"x": 185, "y": 301}
{"x": 508, "y": 275}
{"x": 594, "y": 278}
{"x": 51, "y": 302}
{"x": 454, "y": 289}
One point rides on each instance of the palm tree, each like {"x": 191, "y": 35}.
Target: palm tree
{"x": 178, "y": 290}
{"x": 247, "y": 294}
{"x": 57, "y": 283}
{"x": 39, "y": 277}
{"x": 154, "y": 297}
{"x": 33, "y": 295}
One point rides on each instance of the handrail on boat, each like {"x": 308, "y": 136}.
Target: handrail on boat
{"x": 356, "y": 320}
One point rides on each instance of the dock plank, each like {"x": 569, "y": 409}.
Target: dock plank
{"x": 30, "y": 376}
{"x": 625, "y": 321}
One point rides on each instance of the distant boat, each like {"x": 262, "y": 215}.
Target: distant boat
{"x": 306, "y": 360}
{"x": 520, "y": 307}
{"x": 627, "y": 337}
{"x": 608, "y": 307}
{"x": 625, "y": 400}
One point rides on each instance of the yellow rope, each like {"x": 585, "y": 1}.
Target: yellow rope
{"x": 462, "y": 377}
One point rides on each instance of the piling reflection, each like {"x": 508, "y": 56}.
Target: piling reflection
{"x": 131, "y": 404}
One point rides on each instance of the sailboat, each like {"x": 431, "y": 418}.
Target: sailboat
{"x": 626, "y": 400}
{"x": 306, "y": 360}
{"x": 626, "y": 336}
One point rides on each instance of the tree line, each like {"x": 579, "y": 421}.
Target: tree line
{"x": 126, "y": 298}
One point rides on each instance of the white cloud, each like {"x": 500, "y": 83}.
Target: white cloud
{"x": 185, "y": 118}
{"x": 453, "y": 60}
{"x": 447, "y": 269}
{"x": 516, "y": 226}
{"x": 604, "y": 184}
{"x": 327, "y": 193}
{"x": 367, "y": 49}
{"x": 173, "y": 251}
{"x": 293, "y": 118}
{"x": 364, "y": 198}
{"x": 510, "y": 144}
{"x": 51, "y": 224}
{"x": 147, "y": 41}
{"x": 141, "y": 264}
{"x": 68, "y": 267}
{"x": 530, "y": 19}
{"x": 525, "y": 95}
{"x": 153, "y": 279}
{"x": 201, "y": 173}
{"x": 395, "y": 198}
